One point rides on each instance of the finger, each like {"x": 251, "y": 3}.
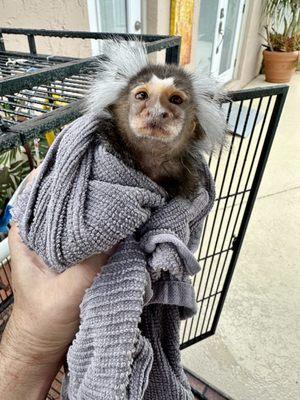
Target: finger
{"x": 33, "y": 173}
{"x": 14, "y": 241}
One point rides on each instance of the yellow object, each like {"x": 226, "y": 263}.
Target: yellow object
{"x": 50, "y": 136}
{"x": 56, "y": 97}
{"x": 56, "y": 102}
{"x": 181, "y": 24}
{"x": 46, "y": 107}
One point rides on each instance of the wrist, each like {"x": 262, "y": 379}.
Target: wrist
{"x": 23, "y": 341}
{"x": 21, "y": 379}
{"x": 27, "y": 366}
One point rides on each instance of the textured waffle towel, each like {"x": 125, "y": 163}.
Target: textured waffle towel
{"x": 84, "y": 200}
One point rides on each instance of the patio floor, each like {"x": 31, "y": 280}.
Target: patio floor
{"x": 255, "y": 353}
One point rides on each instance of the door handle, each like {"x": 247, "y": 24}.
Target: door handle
{"x": 220, "y": 30}
{"x": 222, "y": 33}
{"x": 137, "y": 25}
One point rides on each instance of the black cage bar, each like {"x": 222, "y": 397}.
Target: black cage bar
{"x": 153, "y": 43}
{"x": 252, "y": 117}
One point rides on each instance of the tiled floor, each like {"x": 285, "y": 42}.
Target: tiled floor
{"x": 54, "y": 392}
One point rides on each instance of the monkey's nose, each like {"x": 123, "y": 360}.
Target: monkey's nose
{"x": 165, "y": 115}
{"x": 158, "y": 115}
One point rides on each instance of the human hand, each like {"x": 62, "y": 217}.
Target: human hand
{"x": 46, "y": 304}
{"x": 44, "y": 320}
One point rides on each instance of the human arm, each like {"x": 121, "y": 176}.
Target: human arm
{"x": 44, "y": 320}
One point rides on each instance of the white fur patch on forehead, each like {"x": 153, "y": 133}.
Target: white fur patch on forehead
{"x": 123, "y": 60}
{"x": 163, "y": 83}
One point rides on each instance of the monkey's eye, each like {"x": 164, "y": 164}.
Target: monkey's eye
{"x": 141, "y": 96}
{"x": 176, "y": 99}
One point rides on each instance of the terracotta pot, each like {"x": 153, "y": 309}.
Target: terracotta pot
{"x": 279, "y": 66}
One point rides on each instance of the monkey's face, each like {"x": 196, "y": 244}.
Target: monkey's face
{"x": 158, "y": 107}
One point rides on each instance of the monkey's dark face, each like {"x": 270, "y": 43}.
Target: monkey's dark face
{"x": 159, "y": 103}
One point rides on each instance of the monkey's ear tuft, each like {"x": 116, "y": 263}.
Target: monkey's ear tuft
{"x": 209, "y": 96}
{"x": 119, "y": 61}
{"x": 198, "y": 131}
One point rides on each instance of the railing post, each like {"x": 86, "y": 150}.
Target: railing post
{"x": 31, "y": 43}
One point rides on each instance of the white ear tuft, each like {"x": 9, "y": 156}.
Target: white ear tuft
{"x": 119, "y": 61}
{"x": 209, "y": 95}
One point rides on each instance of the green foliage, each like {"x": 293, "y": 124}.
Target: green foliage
{"x": 14, "y": 167}
{"x": 282, "y": 24}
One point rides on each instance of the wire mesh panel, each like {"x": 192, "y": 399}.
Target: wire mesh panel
{"x": 28, "y": 103}
{"x": 252, "y": 117}
{"x": 15, "y": 65}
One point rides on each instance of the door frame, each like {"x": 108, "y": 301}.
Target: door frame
{"x": 95, "y": 24}
{"x": 227, "y": 75}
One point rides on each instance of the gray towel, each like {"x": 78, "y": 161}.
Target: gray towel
{"x": 84, "y": 200}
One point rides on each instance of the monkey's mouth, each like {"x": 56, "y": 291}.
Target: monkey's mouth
{"x": 153, "y": 125}
{"x": 155, "y": 129}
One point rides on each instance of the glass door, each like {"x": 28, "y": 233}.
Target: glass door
{"x": 218, "y": 35}
{"x": 120, "y": 16}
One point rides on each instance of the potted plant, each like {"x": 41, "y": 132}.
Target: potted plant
{"x": 282, "y": 26}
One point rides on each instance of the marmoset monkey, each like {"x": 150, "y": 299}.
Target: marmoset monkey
{"x": 163, "y": 117}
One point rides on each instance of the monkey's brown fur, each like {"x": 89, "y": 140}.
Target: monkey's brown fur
{"x": 174, "y": 164}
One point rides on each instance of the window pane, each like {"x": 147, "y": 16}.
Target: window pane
{"x": 206, "y": 34}
{"x": 113, "y": 15}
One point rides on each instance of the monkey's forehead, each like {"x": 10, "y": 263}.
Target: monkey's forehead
{"x": 164, "y": 76}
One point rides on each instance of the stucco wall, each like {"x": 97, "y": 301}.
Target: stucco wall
{"x": 51, "y": 14}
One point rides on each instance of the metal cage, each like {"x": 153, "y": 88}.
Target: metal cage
{"x": 252, "y": 117}
{"x": 238, "y": 168}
